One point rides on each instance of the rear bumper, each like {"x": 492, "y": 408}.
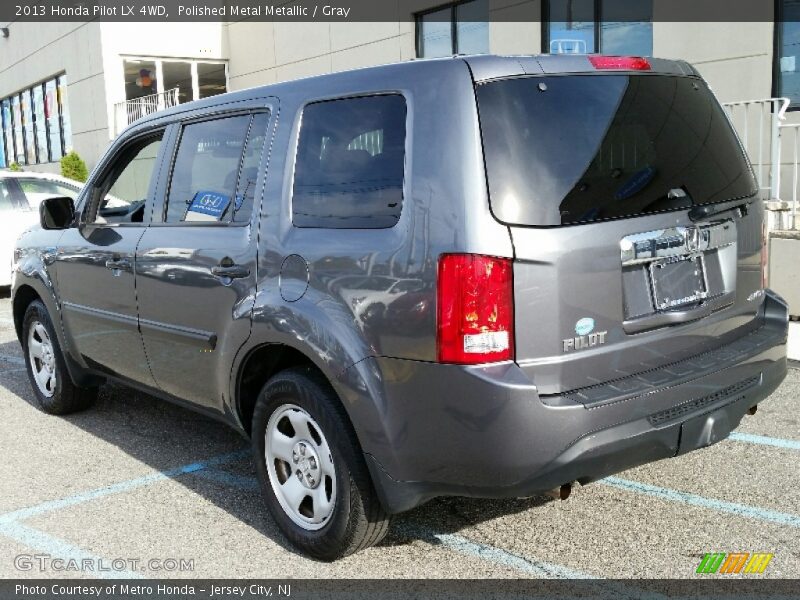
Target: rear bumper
{"x": 485, "y": 432}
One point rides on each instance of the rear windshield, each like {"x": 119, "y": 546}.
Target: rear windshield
{"x": 574, "y": 149}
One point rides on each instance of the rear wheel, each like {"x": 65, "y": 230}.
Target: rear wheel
{"x": 311, "y": 469}
{"x": 47, "y": 371}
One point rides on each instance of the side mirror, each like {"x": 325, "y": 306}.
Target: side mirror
{"x": 56, "y": 213}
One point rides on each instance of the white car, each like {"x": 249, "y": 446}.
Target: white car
{"x": 21, "y": 192}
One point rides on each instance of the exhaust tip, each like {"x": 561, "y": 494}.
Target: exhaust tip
{"x": 560, "y": 493}
{"x": 753, "y": 410}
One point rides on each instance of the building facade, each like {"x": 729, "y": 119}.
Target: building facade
{"x": 67, "y": 86}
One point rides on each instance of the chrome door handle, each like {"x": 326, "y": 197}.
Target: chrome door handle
{"x": 119, "y": 264}
{"x": 230, "y": 272}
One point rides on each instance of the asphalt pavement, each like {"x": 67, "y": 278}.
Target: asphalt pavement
{"x": 159, "y": 491}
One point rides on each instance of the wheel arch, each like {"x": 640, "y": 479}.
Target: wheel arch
{"x": 259, "y": 364}
{"x": 24, "y": 296}
{"x": 356, "y": 386}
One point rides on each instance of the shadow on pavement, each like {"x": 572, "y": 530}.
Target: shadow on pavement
{"x": 165, "y": 436}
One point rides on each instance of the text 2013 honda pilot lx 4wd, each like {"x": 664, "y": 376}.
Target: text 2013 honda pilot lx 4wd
{"x": 483, "y": 276}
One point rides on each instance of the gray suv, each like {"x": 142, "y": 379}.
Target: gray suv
{"x": 480, "y": 276}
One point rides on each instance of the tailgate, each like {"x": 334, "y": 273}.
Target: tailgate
{"x": 585, "y": 317}
{"x": 622, "y": 193}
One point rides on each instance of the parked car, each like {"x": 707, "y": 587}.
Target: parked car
{"x": 21, "y": 192}
{"x": 370, "y": 297}
{"x": 586, "y": 227}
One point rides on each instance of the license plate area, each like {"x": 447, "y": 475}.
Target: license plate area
{"x": 675, "y": 270}
{"x": 678, "y": 282}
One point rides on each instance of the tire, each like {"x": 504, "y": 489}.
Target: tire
{"x": 56, "y": 395}
{"x": 301, "y": 414}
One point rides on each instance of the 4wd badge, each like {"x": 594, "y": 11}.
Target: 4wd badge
{"x": 585, "y": 338}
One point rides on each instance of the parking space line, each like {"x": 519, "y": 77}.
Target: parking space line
{"x": 14, "y": 360}
{"x": 118, "y": 488}
{"x": 498, "y": 556}
{"x": 228, "y": 479}
{"x": 58, "y": 548}
{"x": 742, "y": 510}
{"x": 765, "y": 441}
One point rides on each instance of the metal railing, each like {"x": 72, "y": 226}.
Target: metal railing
{"x": 131, "y": 110}
{"x": 764, "y": 133}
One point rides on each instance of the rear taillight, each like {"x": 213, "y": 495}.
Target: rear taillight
{"x": 621, "y": 63}
{"x": 475, "y": 309}
{"x": 764, "y": 256}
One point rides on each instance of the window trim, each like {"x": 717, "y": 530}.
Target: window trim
{"x": 295, "y": 148}
{"x": 181, "y": 125}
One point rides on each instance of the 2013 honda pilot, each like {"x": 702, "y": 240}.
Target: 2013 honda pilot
{"x": 482, "y": 276}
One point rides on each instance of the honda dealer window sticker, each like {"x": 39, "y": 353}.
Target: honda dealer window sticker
{"x": 207, "y": 206}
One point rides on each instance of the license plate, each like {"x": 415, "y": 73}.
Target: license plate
{"x": 678, "y": 282}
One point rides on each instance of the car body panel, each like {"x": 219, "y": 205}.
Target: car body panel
{"x": 191, "y": 340}
{"x": 360, "y": 304}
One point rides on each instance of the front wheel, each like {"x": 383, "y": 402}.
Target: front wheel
{"x": 47, "y": 371}
{"x": 311, "y": 469}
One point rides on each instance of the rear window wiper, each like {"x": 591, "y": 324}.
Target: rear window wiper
{"x": 704, "y": 211}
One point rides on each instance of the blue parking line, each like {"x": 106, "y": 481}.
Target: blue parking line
{"x": 498, "y": 556}
{"x": 763, "y": 440}
{"x": 504, "y": 558}
{"x": 228, "y": 479}
{"x": 58, "y": 548}
{"x": 537, "y": 568}
{"x": 118, "y": 488}
{"x": 741, "y": 510}
{"x": 14, "y": 360}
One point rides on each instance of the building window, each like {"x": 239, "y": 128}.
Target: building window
{"x": 460, "y": 28}
{"x": 34, "y": 124}
{"x": 787, "y": 55}
{"x": 604, "y": 26}
{"x": 7, "y": 133}
{"x": 191, "y": 78}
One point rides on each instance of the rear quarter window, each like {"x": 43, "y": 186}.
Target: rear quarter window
{"x": 350, "y": 163}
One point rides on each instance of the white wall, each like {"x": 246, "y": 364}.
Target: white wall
{"x": 735, "y": 58}
{"x": 158, "y": 40}
{"x": 34, "y": 52}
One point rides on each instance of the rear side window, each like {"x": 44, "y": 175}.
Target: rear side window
{"x": 575, "y": 149}
{"x": 350, "y": 162}
{"x": 213, "y": 178}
